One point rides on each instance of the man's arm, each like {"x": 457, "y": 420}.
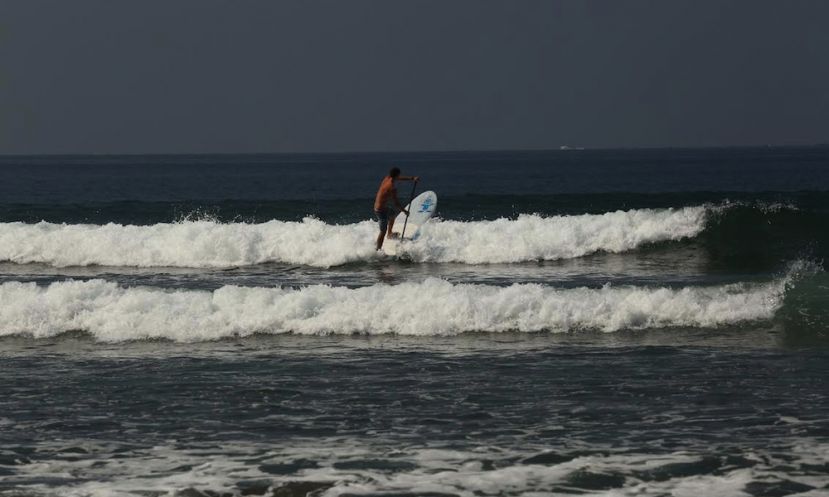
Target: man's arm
{"x": 399, "y": 206}
{"x": 397, "y": 200}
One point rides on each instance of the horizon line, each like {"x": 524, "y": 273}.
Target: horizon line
{"x": 563, "y": 148}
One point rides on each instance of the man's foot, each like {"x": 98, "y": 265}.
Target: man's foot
{"x": 393, "y": 236}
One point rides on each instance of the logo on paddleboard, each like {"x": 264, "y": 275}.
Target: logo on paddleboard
{"x": 424, "y": 207}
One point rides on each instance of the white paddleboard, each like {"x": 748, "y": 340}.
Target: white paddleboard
{"x": 421, "y": 209}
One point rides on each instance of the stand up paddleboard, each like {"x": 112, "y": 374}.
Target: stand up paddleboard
{"x": 421, "y": 209}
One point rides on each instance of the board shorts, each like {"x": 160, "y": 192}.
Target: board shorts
{"x": 384, "y": 216}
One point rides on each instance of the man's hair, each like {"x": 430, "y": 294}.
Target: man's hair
{"x": 394, "y": 172}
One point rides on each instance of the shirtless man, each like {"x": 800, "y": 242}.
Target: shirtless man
{"x": 387, "y": 205}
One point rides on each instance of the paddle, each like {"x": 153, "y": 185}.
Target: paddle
{"x": 411, "y": 197}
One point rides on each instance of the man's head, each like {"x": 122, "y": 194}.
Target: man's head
{"x": 394, "y": 172}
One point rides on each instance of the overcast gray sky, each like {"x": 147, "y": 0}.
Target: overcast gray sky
{"x": 179, "y": 76}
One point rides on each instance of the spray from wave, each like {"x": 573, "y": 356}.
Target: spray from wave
{"x": 431, "y": 307}
{"x": 207, "y": 243}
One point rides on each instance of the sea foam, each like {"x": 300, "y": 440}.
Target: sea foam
{"x": 432, "y": 307}
{"x": 312, "y": 242}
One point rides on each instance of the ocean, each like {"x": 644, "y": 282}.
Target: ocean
{"x": 572, "y": 322}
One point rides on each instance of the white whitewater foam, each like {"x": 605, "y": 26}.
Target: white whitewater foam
{"x": 315, "y": 243}
{"x": 166, "y": 470}
{"x": 187, "y": 244}
{"x": 434, "y": 307}
{"x": 533, "y": 237}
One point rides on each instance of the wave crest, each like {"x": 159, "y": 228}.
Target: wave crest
{"x": 312, "y": 242}
{"x": 430, "y": 307}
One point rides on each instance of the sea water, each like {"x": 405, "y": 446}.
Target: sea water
{"x": 616, "y": 322}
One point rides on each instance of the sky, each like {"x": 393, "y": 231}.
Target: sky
{"x": 255, "y": 76}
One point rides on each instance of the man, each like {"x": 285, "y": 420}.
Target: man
{"x": 387, "y": 205}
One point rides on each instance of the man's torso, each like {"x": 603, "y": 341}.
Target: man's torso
{"x": 385, "y": 195}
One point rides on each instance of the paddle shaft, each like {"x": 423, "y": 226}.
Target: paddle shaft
{"x": 411, "y": 197}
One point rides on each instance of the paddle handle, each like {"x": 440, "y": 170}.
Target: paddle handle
{"x": 411, "y": 197}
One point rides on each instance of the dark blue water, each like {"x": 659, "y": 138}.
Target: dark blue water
{"x": 629, "y": 322}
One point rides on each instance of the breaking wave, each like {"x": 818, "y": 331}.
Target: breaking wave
{"x": 432, "y": 307}
{"x": 312, "y": 242}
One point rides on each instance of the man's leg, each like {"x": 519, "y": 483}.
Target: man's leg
{"x": 383, "y": 219}
{"x": 392, "y": 217}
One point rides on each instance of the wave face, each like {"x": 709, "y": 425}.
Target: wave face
{"x": 315, "y": 243}
{"x": 432, "y": 307}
